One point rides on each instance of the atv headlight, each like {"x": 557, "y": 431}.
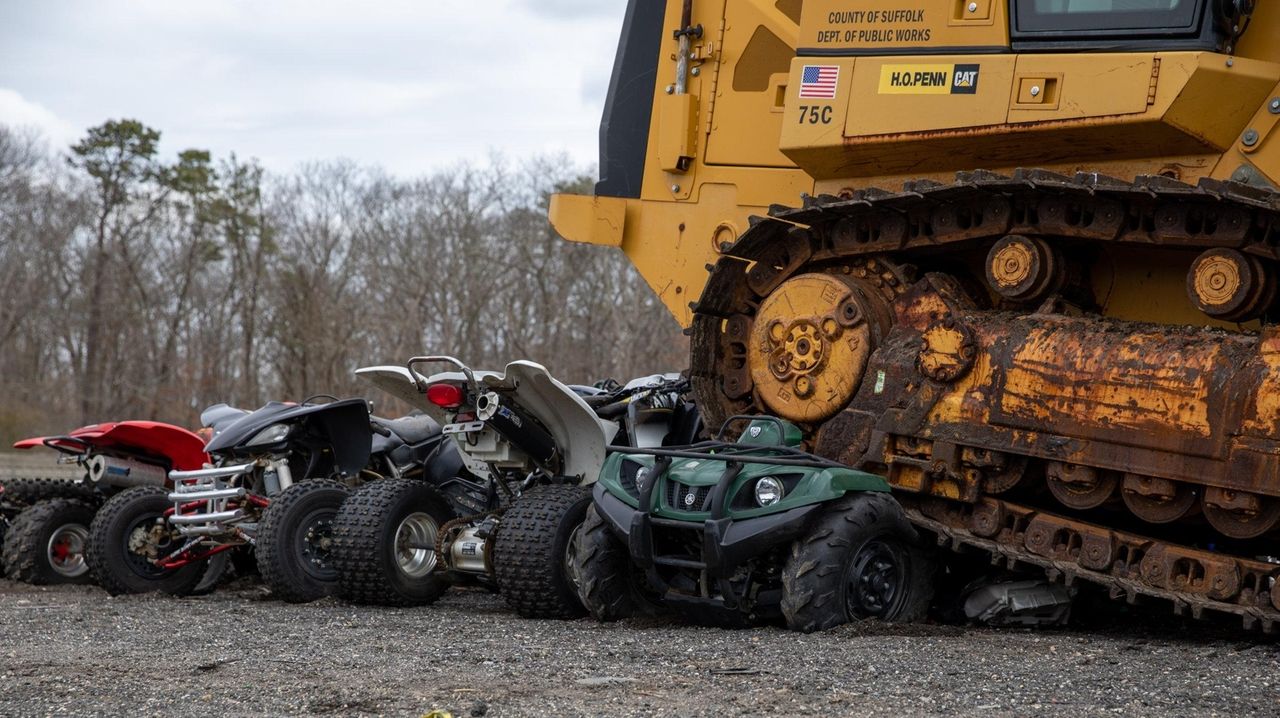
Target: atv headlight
{"x": 273, "y": 434}
{"x": 769, "y": 491}
{"x": 643, "y": 474}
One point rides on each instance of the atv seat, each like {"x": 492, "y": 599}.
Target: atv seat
{"x": 412, "y": 429}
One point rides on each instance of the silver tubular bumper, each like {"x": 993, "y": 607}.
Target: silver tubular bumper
{"x": 178, "y": 477}
{"x": 201, "y": 499}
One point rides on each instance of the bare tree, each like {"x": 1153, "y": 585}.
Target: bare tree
{"x": 132, "y": 286}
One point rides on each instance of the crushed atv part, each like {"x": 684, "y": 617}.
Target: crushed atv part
{"x": 608, "y": 585}
{"x": 295, "y": 540}
{"x": 733, "y": 533}
{"x": 1010, "y": 346}
{"x": 535, "y": 534}
{"x": 46, "y": 543}
{"x": 129, "y": 536}
{"x": 1128, "y": 565}
{"x": 860, "y": 560}
{"x": 384, "y": 544}
{"x": 1020, "y": 603}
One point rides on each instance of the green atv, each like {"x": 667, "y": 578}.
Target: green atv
{"x": 734, "y": 533}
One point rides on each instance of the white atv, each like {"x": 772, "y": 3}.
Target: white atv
{"x": 536, "y": 444}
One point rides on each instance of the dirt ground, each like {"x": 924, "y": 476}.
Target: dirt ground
{"x": 76, "y": 651}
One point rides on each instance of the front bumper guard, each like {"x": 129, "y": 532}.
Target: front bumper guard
{"x": 726, "y": 544}
{"x": 200, "y": 500}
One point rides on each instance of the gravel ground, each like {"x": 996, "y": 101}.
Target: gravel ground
{"x": 75, "y": 651}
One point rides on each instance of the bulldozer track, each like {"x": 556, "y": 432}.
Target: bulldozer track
{"x": 878, "y": 236}
{"x": 1127, "y": 564}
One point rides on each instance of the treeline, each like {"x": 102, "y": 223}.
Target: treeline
{"x": 138, "y": 286}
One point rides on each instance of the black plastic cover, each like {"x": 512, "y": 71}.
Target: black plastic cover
{"x": 624, "y": 129}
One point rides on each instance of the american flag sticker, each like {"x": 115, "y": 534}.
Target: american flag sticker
{"x": 819, "y": 81}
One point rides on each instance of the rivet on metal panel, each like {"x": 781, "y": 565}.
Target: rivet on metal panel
{"x": 1250, "y": 138}
{"x": 1275, "y": 106}
{"x": 973, "y": 7}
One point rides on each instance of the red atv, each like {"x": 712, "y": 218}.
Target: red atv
{"x": 44, "y": 522}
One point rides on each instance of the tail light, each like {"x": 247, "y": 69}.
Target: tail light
{"x": 445, "y": 396}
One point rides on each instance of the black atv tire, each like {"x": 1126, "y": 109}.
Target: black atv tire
{"x": 121, "y": 571}
{"x": 295, "y": 538}
{"x": 366, "y": 551}
{"x": 603, "y": 571}
{"x": 215, "y": 569}
{"x": 859, "y": 560}
{"x": 47, "y": 542}
{"x": 530, "y": 551}
{"x": 25, "y": 491}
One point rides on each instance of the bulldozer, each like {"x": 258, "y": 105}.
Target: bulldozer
{"x": 1019, "y": 257}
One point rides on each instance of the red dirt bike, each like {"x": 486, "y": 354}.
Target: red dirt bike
{"x": 44, "y": 522}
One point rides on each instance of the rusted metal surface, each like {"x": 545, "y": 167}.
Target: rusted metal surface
{"x": 810, "y": 344}
{"x": 1024, "y": 269}
{"x": 983, "y": 390}
{"x": 1128, "y": 564}
{"x": 1229, "y": 285}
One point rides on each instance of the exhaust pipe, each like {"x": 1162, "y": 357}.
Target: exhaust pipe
{"x": 122, "y": 473}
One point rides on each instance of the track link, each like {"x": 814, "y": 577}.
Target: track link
{"x": 1128, "y": 565}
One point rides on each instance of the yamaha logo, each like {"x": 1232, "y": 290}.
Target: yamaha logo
{"x": 689, "y": 498}
{"x": 754, "y": 431}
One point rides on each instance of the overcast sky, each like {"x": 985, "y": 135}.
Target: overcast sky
{"x": 410, "y": 85}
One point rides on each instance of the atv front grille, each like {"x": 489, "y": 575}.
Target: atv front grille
{"x": 678, "y": 496}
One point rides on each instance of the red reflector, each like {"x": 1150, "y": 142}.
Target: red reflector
{"x": 445, "y": 396}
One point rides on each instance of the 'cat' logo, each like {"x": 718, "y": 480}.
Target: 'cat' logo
{"x": 964, "y": 81}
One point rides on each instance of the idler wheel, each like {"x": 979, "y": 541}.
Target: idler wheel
{"x": 1240, "y": 514}
{"x": 1156, "y": 500}
{"x": 1230, "y": 286}
{"x": 810, "y": 344}
{"x": 1080, "y": 487}
{"x": 1000, "y": 479}
{"x": 1024, "y": 269}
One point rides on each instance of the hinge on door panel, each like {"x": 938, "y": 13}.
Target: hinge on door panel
{"x": 706, "y": 54}
{"x": 1155, "y": 81}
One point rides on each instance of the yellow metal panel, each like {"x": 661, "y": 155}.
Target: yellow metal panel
{"x": 816, "y": 122}
{"x": 590, "y": 220}
{"x": 1221, "y": 96}
{"x": 1259, "y": 41}
{"x": 883, "y": 26}
{"x": 1093, "y": 85}
{"x": 896, "y": 95}
{"x": 755, "y": 57}
{"x": 677, "y": 125}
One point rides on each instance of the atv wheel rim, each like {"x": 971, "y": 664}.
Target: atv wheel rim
{"x": 571, "y": 560}
{"x": 146, "y": 541}
{"x": 416, "y": 545}
{"x": 66, "y": 550}
{"x": 873, "y": 583}
{"x": 314, "y": 543}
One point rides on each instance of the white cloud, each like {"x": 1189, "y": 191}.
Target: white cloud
{"x": 407, "y": 84}
{"x": 577, "y": 8}
{"x": 17, "y": 111}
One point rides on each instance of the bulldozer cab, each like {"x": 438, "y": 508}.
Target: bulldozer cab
{"x": 717, "y": 109}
